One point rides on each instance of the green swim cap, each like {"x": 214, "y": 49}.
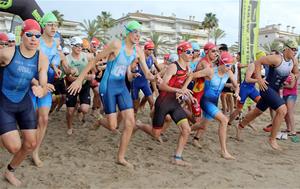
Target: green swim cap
{"x": 132, "y": 25}
{"x": 260, "y": 54}
{"x": 48, "y": 17}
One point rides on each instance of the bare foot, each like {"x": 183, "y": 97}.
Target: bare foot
{"x": 253, "y": 128}
{"x": 95, "y": 126}
{"x": 274, "y": 144}
{"x": 36, "y": 160}
{"x": 70, "y": 132}
{"x": 227, "y": 156}
{"x": 159, "y": 139}
{"x": 12, "y": 179}
{"x": 238, "y": 133}
{"x": 181, "y": 162}
{"x": 196, "y": 143}
{"x": 81, "y": 117}
{"x": 125, "y": 163}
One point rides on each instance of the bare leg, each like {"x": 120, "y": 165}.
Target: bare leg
{"x": 136, "y": 104}
{"x": 278, "y": 118}
{"x": 143, "y": 103}
{"x": 250, "y": 116}
{"x": 12, "y": 142}
{"x": 223, "y": 135}
{"x": 200, "y": 128}
{"x": 62, "y": 101}
{"x": 290, "y": 120}
{"x": 223, "y": 102}
{"x": 183, "y": 137}
{"x": 69, "y": 116}
{"x": 43, "y": 115}
{"x": 230, "y": 103}
{"x": 129, "y": 123}
{"x": 234, "y": 114}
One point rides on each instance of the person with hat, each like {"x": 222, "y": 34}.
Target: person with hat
{"x": 113, "y": 90}
{"x": 140, "y": 82}
{"x": 43, "y": 105}
{"x": 247, "y": 89}
{"x": 11, "y": 39}
{"x": 280, "y": 68}
{"x": 203, "y": 69}
{"x": 94, "y": 45}
{"x": 209, "y": 102}
{"x": 18, "y": 67}
{"x": 196, "y": 56}
{"x": 167, "y": 103}
{"x": 78, "y": 60}
{"x": 3, "y": 40}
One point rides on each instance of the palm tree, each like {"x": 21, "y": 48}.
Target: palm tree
{"x": 186, "y": 37}
{"x": 90, "y": 28}
{"x": 217, "y": 33}
{"x": 235, "y": 47}
{"x": 210, "y": 22}
{"x": 298, "y": 40}
{"x": 59, "y": 16}
{"x": 104, "y": 22}
{"x": 158, "y": 41}
{"x": 275, "y": 45}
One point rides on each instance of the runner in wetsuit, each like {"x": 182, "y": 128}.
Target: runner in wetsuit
{"x": 113, "y": 89}
{"x": 78, "y": 60}
{"x": 280, "y": 67}
{"x": 140, "y": 82}
{"x": 205, "y": 65}
{"x": 49, "y": 47}
{"x": 3, "y": 40}
{"x": 209, "y": 101}
{"x": 18, "y": 67}
{"x": 247, "y": 88}
{"x": 166, "y": 103}
{"x": 196, "y": 56}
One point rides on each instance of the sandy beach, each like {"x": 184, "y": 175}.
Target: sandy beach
{"x": 87, "y": 160}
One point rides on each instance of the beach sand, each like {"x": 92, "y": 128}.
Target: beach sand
{"x": 87, "y": 160}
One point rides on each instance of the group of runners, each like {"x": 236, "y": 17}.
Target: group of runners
{"x": 38, "y": 77}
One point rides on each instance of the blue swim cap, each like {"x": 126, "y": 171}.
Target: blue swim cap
{"x": 202, "y": 55}
{"x": 195, "y": 46}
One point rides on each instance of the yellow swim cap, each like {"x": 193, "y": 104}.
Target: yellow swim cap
{"x": 260, "y": 54}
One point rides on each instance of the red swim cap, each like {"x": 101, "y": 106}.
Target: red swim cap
{"x": 30, "y": 24}
{"x": 95, "y": 42}
{"x": 225, "y": 58}
{"x": 183, "y": 46}
{"x": 166, "y": 56}
{"x": 209, "y": 46}
{"x": 149, "y": 45}
{"x": 3, "y": 37}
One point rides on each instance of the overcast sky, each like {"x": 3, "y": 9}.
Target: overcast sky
{"x": 286, "y": 12}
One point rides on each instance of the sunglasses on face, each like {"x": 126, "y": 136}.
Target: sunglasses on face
{"x": 228, "y": 65}
{"x": 189, "y": 52}
{"x": 30, "y": 34}
{"x": 78, "y": 45}
{"x": 213, "y": 51}
{"x": 3, "y": 44}
{"x": 150, "y": 49}
{"x": 11, "y": 41}
{"x": 293, "y": 49}
{"x": 52, "y": 24}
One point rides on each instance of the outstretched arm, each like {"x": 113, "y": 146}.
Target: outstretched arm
{"x": 75, "y": 87}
